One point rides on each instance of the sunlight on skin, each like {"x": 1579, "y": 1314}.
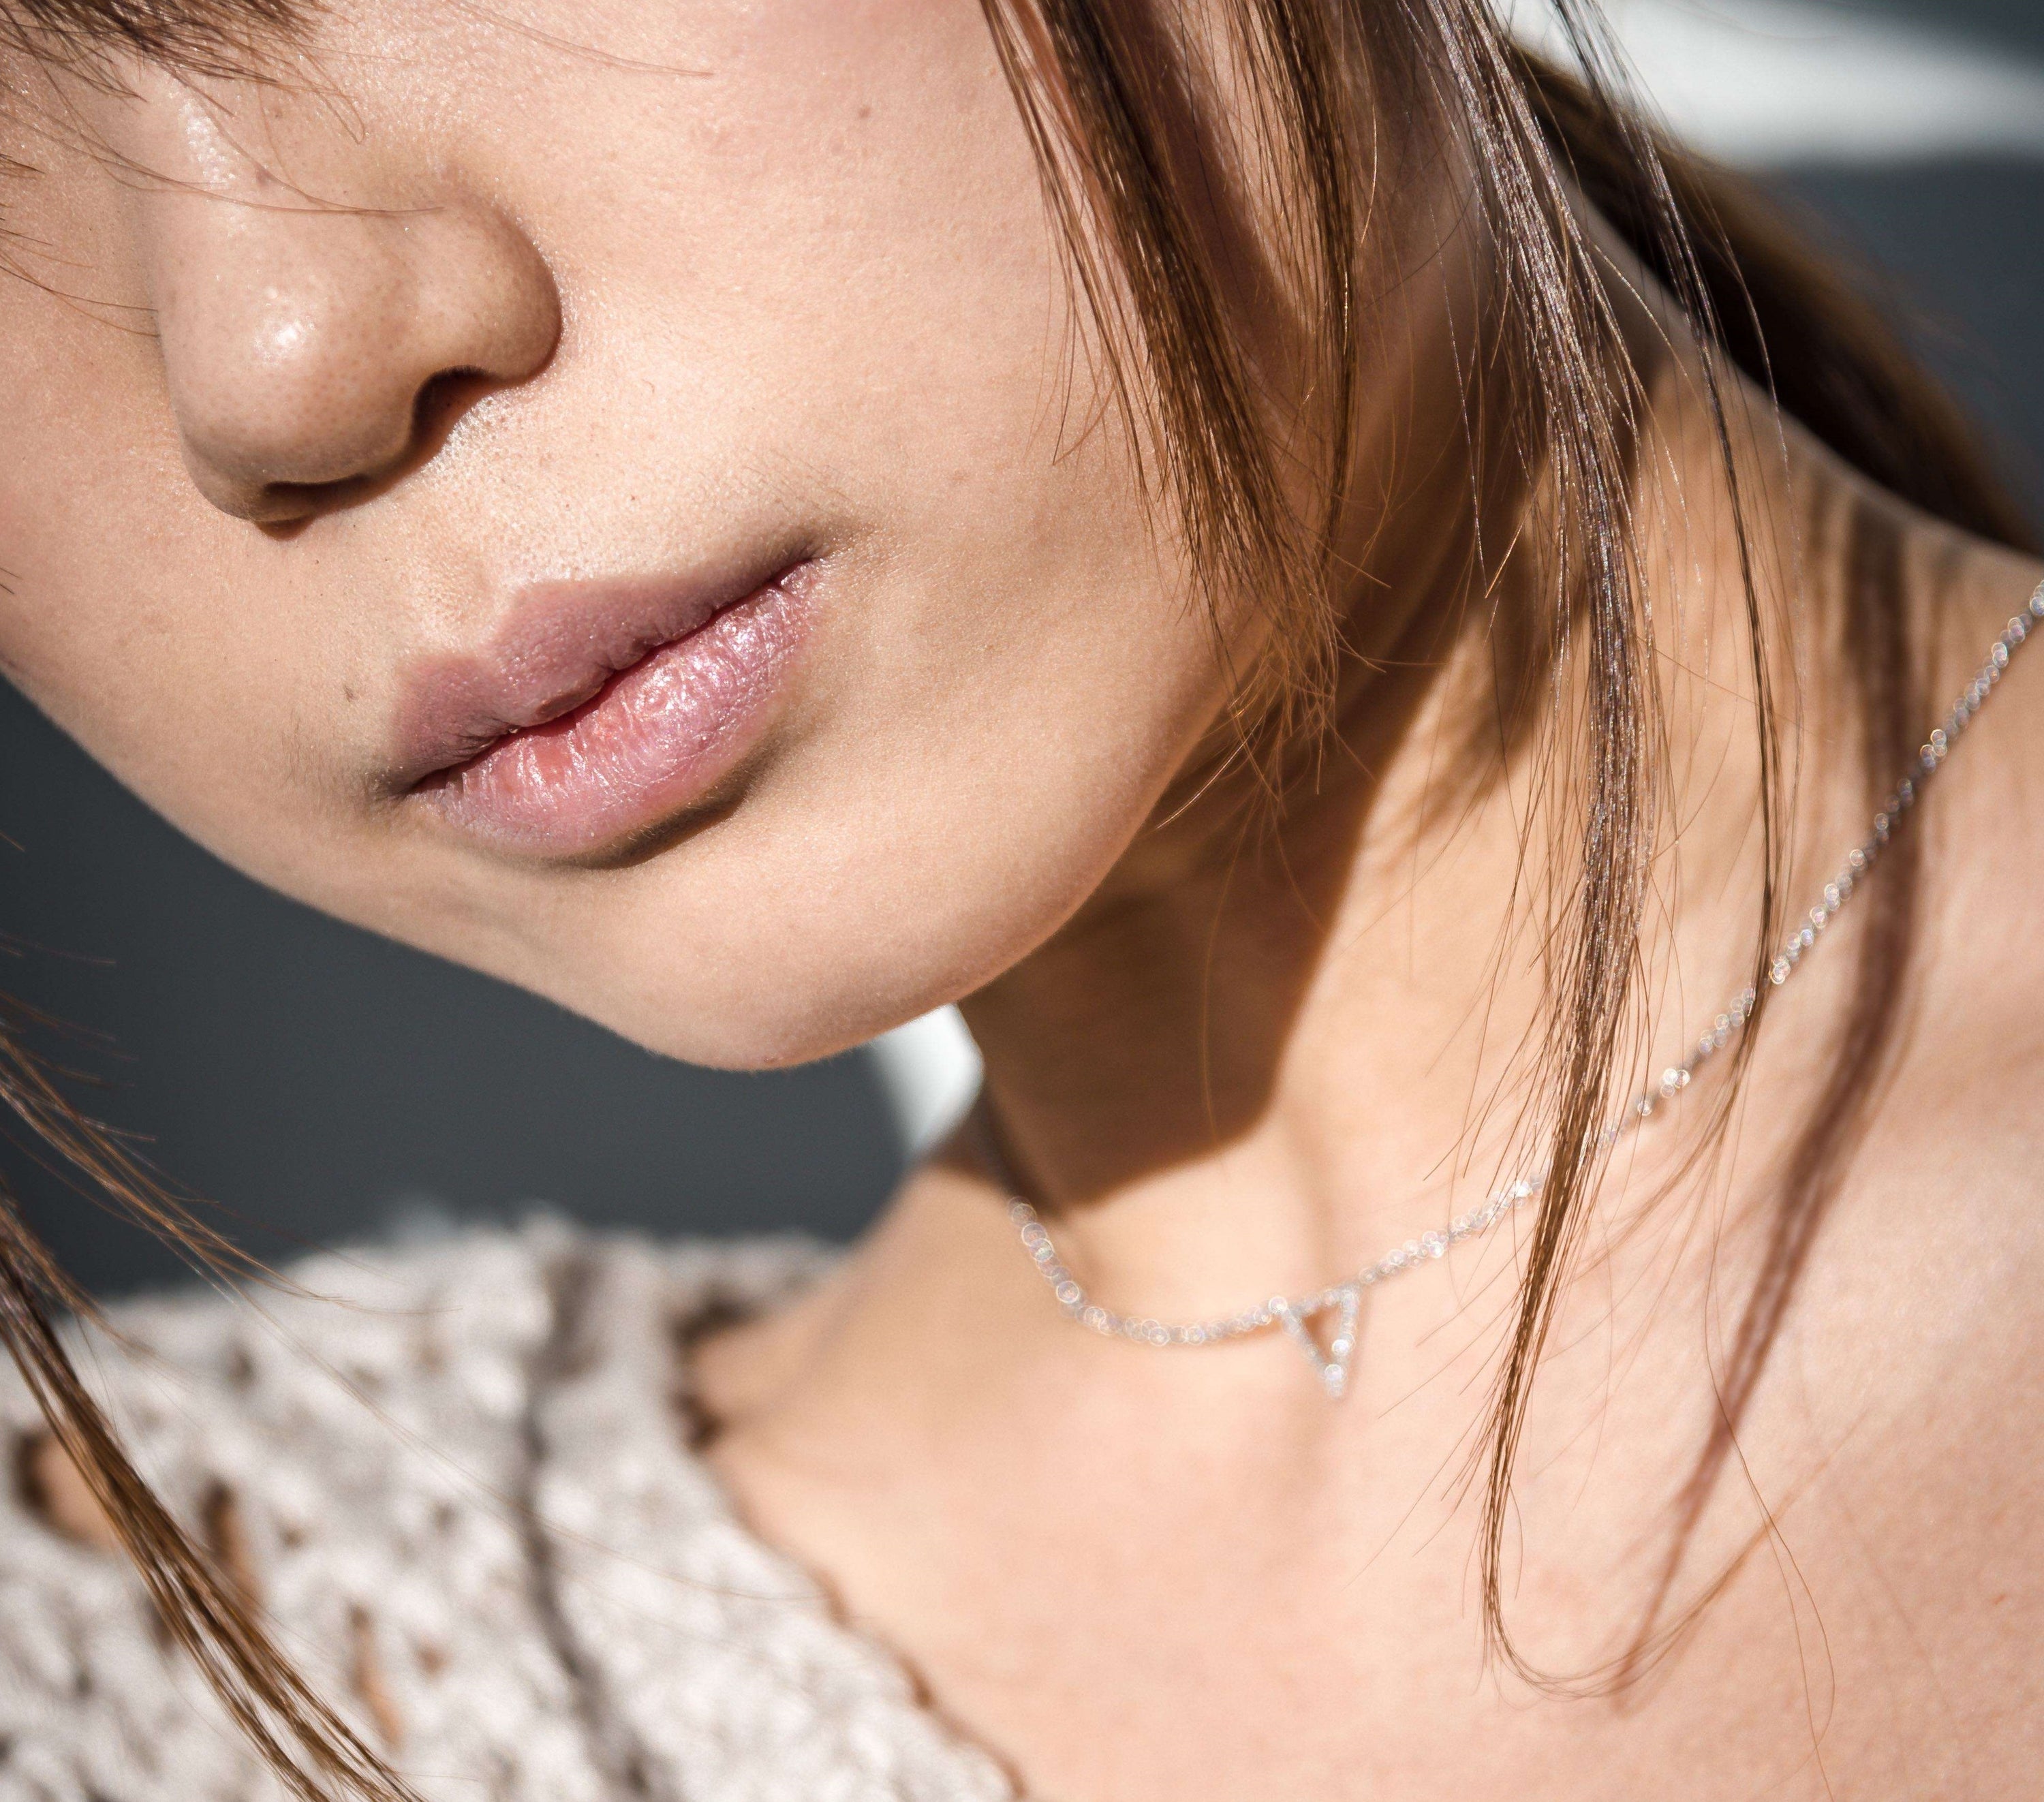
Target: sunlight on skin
{"x": 777, "y": 301}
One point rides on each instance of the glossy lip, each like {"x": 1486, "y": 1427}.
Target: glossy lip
{"x": 599, "y": 711}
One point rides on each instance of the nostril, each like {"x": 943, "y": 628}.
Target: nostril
{"x": 442, "y": 404}
{"x": 284, "y": 509}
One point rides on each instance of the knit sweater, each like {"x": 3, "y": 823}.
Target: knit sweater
{"x": 457, "y": 1478}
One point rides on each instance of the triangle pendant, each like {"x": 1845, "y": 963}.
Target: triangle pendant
{"x": 1333, "y": 1363}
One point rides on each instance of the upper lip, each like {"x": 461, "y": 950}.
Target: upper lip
{"x": 557, "y": 646}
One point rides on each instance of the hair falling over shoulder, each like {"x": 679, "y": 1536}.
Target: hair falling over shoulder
{"x": 1104, "y": 87}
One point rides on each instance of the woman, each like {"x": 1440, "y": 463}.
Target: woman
{"x": 1256, "y": 547}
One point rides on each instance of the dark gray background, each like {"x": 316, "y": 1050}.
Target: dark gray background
{"x": 318, "y": 1082}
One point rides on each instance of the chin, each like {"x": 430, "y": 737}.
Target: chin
{"x": 748, "y": 1006}
{"x": 766, "y": 992}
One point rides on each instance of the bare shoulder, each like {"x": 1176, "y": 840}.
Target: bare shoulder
{"x": 1973, "y": 991}
{"x": 1911, "y": 1371}
{"x": 1954, "y": 1160}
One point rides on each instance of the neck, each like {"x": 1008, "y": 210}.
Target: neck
{"x": 1287, "y": 1036}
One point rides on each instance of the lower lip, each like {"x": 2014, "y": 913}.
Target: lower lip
{"x": 653, "y": 744}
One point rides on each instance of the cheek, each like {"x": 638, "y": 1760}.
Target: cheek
{"x": 182, "y": 658}
{"x": 191, "y": 656}
{"x": 115, "y": 621}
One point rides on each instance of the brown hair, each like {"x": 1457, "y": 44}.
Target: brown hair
{"x": 1105, "y": 90}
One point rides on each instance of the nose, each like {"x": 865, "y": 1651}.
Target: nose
{"x": 308, "y": 346}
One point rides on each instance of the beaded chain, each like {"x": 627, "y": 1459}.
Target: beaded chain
{"x": 1295, "y": 1313}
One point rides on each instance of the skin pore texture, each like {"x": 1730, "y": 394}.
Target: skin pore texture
{"x": 319, "y": 388}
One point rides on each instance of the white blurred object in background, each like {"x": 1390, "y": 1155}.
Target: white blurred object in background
{"x": 931, "y": 1071}
{"x": 1766, "y": 83}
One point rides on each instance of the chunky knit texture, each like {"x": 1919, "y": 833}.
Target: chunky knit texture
{"x": 459, "y": 1482}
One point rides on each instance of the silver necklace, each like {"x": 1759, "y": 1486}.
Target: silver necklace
{"x": 1295, "y": 1313}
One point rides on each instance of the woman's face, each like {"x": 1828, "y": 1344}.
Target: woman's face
{"x": 695, "y": 384}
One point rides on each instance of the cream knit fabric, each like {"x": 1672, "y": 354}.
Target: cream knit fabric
{"x": 460, "y": 1483}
